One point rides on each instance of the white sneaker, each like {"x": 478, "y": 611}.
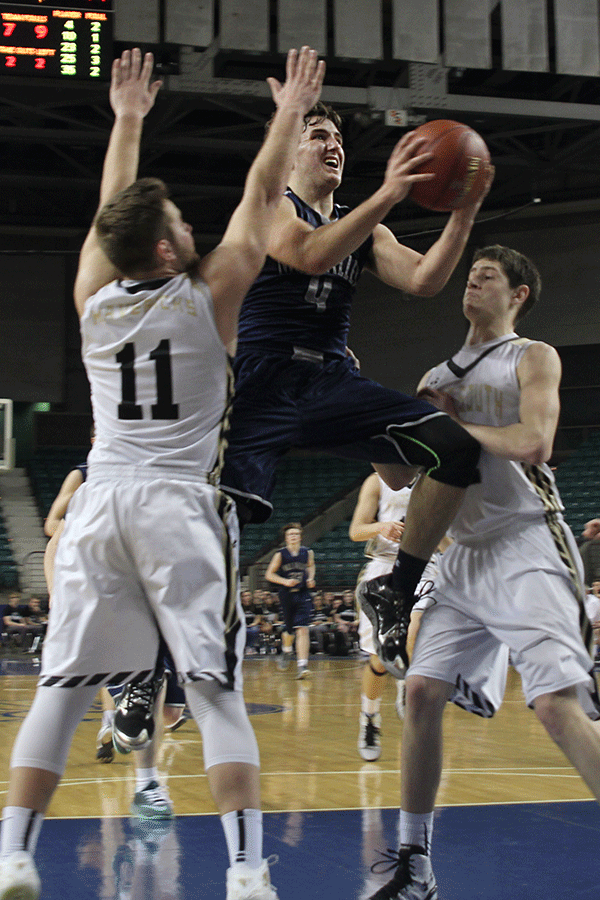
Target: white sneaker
{"x": 400, "y": 697}
{"x": 369, "y": 736}
{"x": 19, "y": 879}
{"x": 244, "y": 883}
{"x": 153, "y": 802}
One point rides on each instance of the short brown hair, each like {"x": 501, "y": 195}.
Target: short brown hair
{"x": 518, "y": 269}
{"x": 131, "y": 223}
{"x": 289, "y": 527}
{"x": 318, "y": 113}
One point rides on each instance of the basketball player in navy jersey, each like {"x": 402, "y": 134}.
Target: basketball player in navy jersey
{"x": 150, "y": 542}
{"x": 293, "y": 569}
{"x": 293, "y": 338}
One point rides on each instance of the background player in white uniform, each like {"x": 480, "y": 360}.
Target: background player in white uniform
{"x": 512, "y": 579}
{"x": 149, "y": 539}
{"x": 379, "y": 519}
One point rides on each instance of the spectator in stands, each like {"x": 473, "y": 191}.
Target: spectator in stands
{"x": 592, "y": 608}
{"x": 590, "y": 552}
{"x": 344, "y": 624}
{"x": 252, "y": 622}
{"x": 14, "y": 621}
{"x": 320, "y": 625}
{"x": 293, "y": 569}
{"x": 37, "y": 622}
{"x": 271, "y": 624}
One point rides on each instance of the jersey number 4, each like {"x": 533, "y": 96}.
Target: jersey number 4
{"x": 164, "y": 408}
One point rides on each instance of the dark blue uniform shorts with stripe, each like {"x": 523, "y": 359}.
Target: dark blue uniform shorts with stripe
{"x": 282, "y": 403}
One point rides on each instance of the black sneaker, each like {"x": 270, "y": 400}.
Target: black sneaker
{"x": 413, "y": 878}
{"x": 133, "y": 725}
{"x": 386, "y": 611}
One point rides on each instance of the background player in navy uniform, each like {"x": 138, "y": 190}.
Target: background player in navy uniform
{"x": 293, "y": 569}
{"x": 150, "y": 542}
{"x": 293, "y": 337}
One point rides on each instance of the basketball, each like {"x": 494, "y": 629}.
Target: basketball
{"x": 459, "y": 163}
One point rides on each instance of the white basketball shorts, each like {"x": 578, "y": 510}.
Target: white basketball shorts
{"x": 138, "y": 555}
{"x": 519, "y": 593}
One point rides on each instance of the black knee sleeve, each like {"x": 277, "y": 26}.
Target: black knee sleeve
{"x": 442, "y": 448}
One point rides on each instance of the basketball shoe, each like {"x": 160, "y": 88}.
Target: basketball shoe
{"x": 413, "y": 878}
{"x": 19, "y": 879}
{"x": 386, "y": 612}
{"x": 133, "y": 725}
{"x": 369, "y": 736}
{"x": 153, "y": 802}
{"x": 244, "y": 883}
{"x": 284, "y": 660}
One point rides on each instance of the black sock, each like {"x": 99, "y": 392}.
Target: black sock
{"x": 406, "y": 574}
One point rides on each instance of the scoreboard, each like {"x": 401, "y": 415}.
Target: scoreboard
{"x": 42, "y": 38}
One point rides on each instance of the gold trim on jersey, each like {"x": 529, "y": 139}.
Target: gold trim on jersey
{"x": 547, "y": 494}
{"x": 231, "y": 617}
{"x": 214, "y": 477}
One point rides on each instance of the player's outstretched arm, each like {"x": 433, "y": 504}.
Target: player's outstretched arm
{"x": 132, "y": 95}
{"x": 232, "y": 267}
{"x": 426, "y": 274}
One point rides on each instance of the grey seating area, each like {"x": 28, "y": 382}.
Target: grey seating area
{"x": 306, "y": 485}
{"x": 578, "y": 480}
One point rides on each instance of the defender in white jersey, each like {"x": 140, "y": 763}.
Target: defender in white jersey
{"x": 512, "y": 579}
{"x": 150, "y": 542}
{"x": 378, "y": 519}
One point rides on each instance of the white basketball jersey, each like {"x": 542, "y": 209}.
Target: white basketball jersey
{"x": 392, "y": 507}
{"x": 159, "y": 374}
{"x": 489, "y": 394}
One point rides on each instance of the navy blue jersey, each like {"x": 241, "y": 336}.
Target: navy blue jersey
{"x": 83, "y": 469}
{"x": 286, "y": 308}
{"x": 294, "y": 567}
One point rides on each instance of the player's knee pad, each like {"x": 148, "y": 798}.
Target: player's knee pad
{"x": 45, "y": 736}
{"x": 441, "y": 447}
{"x": 227, "y": 735}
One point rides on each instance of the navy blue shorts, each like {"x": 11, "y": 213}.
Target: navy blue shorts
{"x": 296, "y": 609}
{"x": 281, "y": 403}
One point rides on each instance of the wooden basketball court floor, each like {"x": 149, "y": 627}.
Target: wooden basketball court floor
{"x": 514, "y": 820}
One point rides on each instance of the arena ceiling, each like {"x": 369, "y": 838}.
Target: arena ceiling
{"x": 543, "y": 131}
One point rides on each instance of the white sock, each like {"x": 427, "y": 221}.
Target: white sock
{"x": 303, "y": 664}
{"x": 143, "y": 777}
{"x": 20, "y": 829}
{"x": 244, "y": 835}
{"x": 370, "y": 707}
{"x": 416, "y": 830}
{"x": 107, "y": 717}
{"x": 287, "y": 649}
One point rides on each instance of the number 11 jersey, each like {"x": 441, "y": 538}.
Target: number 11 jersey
{"x": 159, "y": 373}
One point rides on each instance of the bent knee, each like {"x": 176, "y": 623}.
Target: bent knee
{"x": 554, "y": 711}
{"x": 425, "y": 695}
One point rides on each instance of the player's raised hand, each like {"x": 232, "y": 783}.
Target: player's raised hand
{"x": 304, "y": 74}
{"x": 406, "y": 156}
{"x": 131, "y": 91}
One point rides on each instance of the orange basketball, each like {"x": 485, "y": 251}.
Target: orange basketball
{"x": 459, "y": 163}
